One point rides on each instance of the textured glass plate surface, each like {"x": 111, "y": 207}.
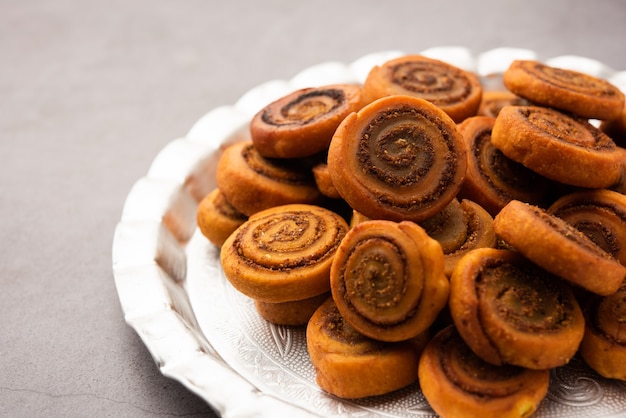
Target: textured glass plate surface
{"x": 203, "y": 333}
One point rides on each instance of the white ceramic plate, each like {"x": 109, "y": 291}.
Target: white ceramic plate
{"x": 209, "y": 337}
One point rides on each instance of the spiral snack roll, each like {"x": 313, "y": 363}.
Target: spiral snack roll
{"x": 350, "y": 365}
{"x": 492, "y": 178}
{"x": 284, "y": 253}
{"x": 604, "y": 344}
{"x": 252, "y": 183}
{"x": 456, "y": 91}
{"x": 567, "y": 150}
{"x": 217, "y": 218}
{"x": 571, "y": 91}
{"x": 598, "y": 213}
{"x": 493, "y": 101}
{"x": 302, "y": 123}
{"x": 398, "y": 158}
{"x": 458, "y": 383}
{"x": 388, "y": 279}
{"x": 558, "y": 247}
{"x": 323, "y": 181}
{"x": 509, "y": 311}
{"x": 448, "y": 227}
{"x": 290, "y": 313}
{"x": 460, "y": 228}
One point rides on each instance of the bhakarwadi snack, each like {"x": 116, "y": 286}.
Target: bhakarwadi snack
{"x": 604, "y": 344}
{"x": 571, "y": 91}
{"x": 388, "y": 279}
{"x": 454, "y": 90}
{"x": 324, "y": 182}
{"x": 509, "y": 311}
{"x": 459, "y": 228}
{"x": 217, "y": 218}
{"x": 561, "y": 148}
{"x": 351, "y": 365}
{"x": 448, "y": 227}
{"x": 492, "y": 178}
{"x": 600, "y": 214}
{"x": 458, "y": 383}
{"x": 252, "y": 183}
{"x": 284, "y": 253}
{"x": 398, "y": 158}
{"x": 493, "y": 101}
{"x": 302, "y": 123}
{"x": 558, "y": 247}
{"x": 290, "y": 313}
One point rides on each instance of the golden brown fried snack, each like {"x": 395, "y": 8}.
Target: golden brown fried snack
{"x": 302, "y": 123}
{"x": 284, "y": 253}
{"x": 460, "y": 228}
{"x": 398, "y": 158}
{"x": 217, "y": 218}
{"x": 598, "y": 213}
{"x": 350, "y": 365}
{"x": 557, "y": 146}
{"x": 252, "y": 183}
{"x": 324, "y": 182}
{"x": 492, "y": 178}
{"x": 388, "y": 279}
{"x": 456, "y": 91}
{"x": 509, "y": 311}
{"x": 604, "y": 344}
{"x": 457, "y": 383}
{"x": 620, "y": 185}
{"x": 357, "y": 218}
{"x": 290, "y": 313}
{"x": 558, "y": 247}
{"x": 571, "y": 91}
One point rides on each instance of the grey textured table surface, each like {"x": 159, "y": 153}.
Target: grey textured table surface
{"x": 91, "y": 91}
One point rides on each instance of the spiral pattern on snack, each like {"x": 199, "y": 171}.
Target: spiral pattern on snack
{"x": 557, "y": 146}
{"x": 436, "y": 82}
{"x": 280, "y": 170}
{"x": 571, "y": 80}
{"x": 456, "y": 91}
{"x": 498, "y": 297}
{"x": 301, "y": 123}
{"x": 471, "y": 374}
{"x": 456, "y": 382}
{"x": 558, "y": 247}
{"x": 565, "y": 128}
{"x": 459, "y": 228}
{"x": 398, "y": 158}
{"x": 289, "y": 239}
{"x": 388, "y": 279}
{"x": 305, "y": 107}
{"x": 397, "y": 150}
{"x": 284, "y": 253}
{"x": 492, "y": 178}
{"x": 571, "y": 91}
